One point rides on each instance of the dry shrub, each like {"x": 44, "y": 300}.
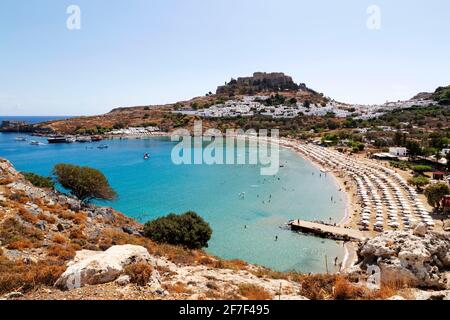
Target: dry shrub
{"x": 231, "y": 264}
{"x": 253, "y": 292}
{"x": 27, "y": 216}
{"x": 45, "y": 217}
{"x": 165, "y": 271}
{"x": 140, "y": 273}
{"x": 110, "y": 237}
{"x": 62, "y": 253}
{"x": 77, "y": 234}
{"x": 1, "y": 252}
{"x": 344, "y": 290}
{"x": 178, "y": 287}
{"x": 386, "y": 290}
{"x": 267, "y": 273}
{"x": 6, "y": 180}
{"x": 23, "y": 200}
{"x": 66, "y": 214}
{"x": 59, "y": 238}
{"x": 317, "y": 287}
{"x": 12, "y": 230}
{"x": 206, "y": 261}
{"x": 15, "y": 276}
{"x": 79, "y": 218}
{"x": 55, "y": 207}
{"x": 176, "y": 254}
{"x": 21, "y": 244}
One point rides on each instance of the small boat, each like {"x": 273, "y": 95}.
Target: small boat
{"x": 20, "y": 139}
{"x": 35, "y": 143}
{"x": 60, "y": 139}
{"x": 83, "y": 139}
{"x": 103, "y": 146}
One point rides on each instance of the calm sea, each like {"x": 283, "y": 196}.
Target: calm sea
{"x": 32, "y": 120}
{"x": 243, "y": 228}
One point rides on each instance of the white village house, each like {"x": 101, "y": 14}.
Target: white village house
{"x": 398, "y": 151}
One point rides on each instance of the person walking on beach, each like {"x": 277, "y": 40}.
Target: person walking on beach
{"x": 276, "y": 238}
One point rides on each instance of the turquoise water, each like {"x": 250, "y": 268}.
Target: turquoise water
{"x": 148, "y": 189}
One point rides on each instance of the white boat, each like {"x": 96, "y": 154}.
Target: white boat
{"x": 83, "y": 139}
{"x": 20, "y": 139}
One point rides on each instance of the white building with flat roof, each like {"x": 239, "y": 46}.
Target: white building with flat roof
{"x": 398, "y": 151}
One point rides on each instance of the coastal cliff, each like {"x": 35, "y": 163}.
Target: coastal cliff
{"x": 54, "y": 247}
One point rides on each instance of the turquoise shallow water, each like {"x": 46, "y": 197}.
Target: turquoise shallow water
{"x": 148, "y": 189}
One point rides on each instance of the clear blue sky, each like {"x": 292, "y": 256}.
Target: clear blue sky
{"x": 137, "y": 52}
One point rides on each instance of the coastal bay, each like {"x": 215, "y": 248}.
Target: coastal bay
{"x": 243, "y": 228}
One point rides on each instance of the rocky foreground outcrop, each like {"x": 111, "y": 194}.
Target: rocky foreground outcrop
{"x": 94, "y": 267}
{"x": 416, "y": 259}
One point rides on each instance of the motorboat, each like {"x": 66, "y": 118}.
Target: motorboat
{"x": 60, "y": 139}
{"x": 20, "y": 139}
{"x": 103, "y": 146}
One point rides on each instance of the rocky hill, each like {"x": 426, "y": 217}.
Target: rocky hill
{"x": 161, "y": 115}
{"x": 54, "y": 247}
{"x": 440, "y": 95}
{"x": 258, "y": 83}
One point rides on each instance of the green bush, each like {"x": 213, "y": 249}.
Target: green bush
{"x": 436, "y": 192}
{"x": 421, "y": 169}
{"x": 39, "y": 181}
{"x": 419, "y": 182}
{"x": 188, "y": 230}
{"x": 83, "y": 182}
{"x": 442, "y": 95}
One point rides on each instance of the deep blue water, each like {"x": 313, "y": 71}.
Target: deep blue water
{"x": 148, "y": 189}
{"x": 31, "y": 119}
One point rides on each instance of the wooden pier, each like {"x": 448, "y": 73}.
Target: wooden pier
{"x": 327, "y": 231}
